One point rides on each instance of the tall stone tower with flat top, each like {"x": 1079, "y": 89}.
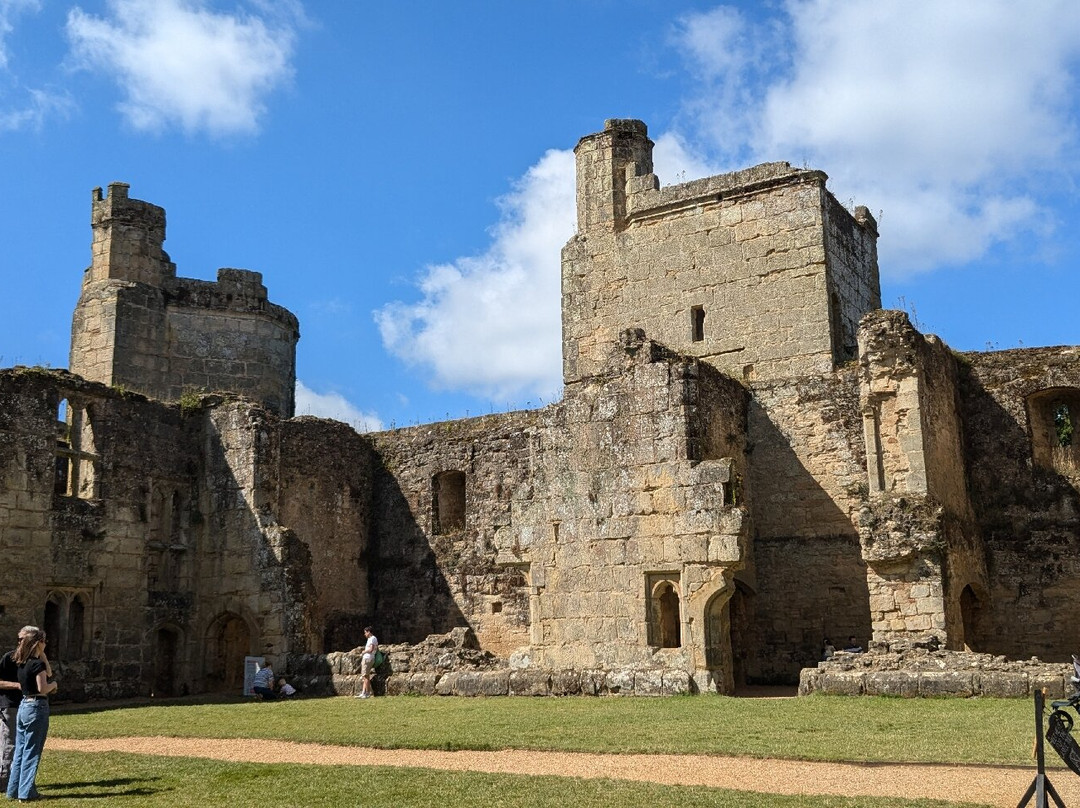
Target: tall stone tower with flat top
{"x": 761, "y": 272}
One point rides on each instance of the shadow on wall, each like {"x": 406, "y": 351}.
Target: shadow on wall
{"x": 810, "y": 575}
{"x": 412, "y": 597}
{"x": 1027, "y": 510}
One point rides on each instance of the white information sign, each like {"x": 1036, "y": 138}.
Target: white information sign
{"x": 251, "y": 665}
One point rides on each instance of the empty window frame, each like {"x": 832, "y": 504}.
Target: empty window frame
{"x": 697, "y": 323}
{"x": 448, "y": 502}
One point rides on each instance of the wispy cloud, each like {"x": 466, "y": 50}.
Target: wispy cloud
{"x": 335, "y": 406}
{"x": 945, "y": 115}
{"x": 490, "y": 324}
{"x": 20, "y": 107}
{"x": 9, "y": 10}
{"x": 40, "y": 106}
{"x": 180, "y": 63}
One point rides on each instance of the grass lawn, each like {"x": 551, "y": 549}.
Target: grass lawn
{"x": 997, "y": 731}
{"x": 72, "y": 779}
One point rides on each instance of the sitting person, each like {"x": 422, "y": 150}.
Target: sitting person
{"x": 284, "y": 689}
{"x": 853, "y": 646}
{"x": 263, "y": 683}
{"x": 829, "y": 650}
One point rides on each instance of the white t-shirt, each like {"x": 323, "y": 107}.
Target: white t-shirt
{"x": 371, "y": 646}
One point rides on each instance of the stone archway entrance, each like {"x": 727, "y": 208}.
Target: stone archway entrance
{"x": 229, "y": 641}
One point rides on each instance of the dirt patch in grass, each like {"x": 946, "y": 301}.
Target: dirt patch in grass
{"x": 990, "y": 785}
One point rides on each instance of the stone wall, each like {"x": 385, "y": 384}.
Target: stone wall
{"x": 930, "y": 673}
{"x": 430, "y": 575}
{"x": 1028, "y": 508}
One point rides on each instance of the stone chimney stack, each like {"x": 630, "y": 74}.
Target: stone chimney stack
{"x": 604, "y": 162}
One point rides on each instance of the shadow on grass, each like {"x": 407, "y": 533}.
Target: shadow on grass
{"x": 103, "y": 789}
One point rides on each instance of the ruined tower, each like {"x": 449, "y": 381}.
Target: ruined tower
{"x": 140, "y": 327}
{"x": 760, "y": 272}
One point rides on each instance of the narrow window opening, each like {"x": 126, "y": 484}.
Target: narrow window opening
{"x": 1063, "y": 425}
{"x": 1052, "y": 417}
{"x": 664, "y": 618}
{"x": 62, "y": 480}
{"x": 697, "y": 323}
{"x": 669, "y": 618}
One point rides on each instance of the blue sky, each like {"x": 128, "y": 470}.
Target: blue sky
{"x": 402, "y": 175}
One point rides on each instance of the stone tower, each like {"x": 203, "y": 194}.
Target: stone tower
{"x": 140, "y": 327}
{"x": 761, "y": 272}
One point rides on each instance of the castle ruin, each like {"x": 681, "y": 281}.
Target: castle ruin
{"x": 749, "y": 455}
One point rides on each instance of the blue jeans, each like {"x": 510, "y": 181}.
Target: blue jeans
{"x": 31, "y": 727}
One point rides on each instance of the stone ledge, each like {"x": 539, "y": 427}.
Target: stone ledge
{"x": 925, "y": 673}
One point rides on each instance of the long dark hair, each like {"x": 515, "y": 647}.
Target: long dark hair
{"x": 27, "y": 643}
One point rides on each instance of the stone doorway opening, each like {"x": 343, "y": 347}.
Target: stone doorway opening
{"x": 228, "y": 642}
{"x": 971, "y": 609}
{"x": 166, "y": 645}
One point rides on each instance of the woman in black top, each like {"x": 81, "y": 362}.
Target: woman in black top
{"x": 32, "y": 722}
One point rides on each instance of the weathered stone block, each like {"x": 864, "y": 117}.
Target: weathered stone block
{"x": 565, "y": 683}
{"x": 530, "y": 682}
{"x": 675, "y": 682}
{"x": 892, "y": 683}
{"x": 619, "y": 682}
{"x": 839, "y": 683}
{"x": 649, "y": 682}
{"x": 946, "y": 683}
{"x": 1001, "y": 684}
{"x": 494, "y": 683}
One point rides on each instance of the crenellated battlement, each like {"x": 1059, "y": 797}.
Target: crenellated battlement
{"x": 140, "y": 326}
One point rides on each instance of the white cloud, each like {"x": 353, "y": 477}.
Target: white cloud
{"x": 676, "y": 161}
{"x": 490, "y": 324}
{"x": 38, "y": 105}
{"x": 937, "y": 113}
{"x": 9, "y": 9}
{"x": 42, "y": 104}
{"x": 335, "y": 406}
{"x": 179, "y": 62}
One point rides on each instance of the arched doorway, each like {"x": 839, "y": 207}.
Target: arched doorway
{"x": 718, "y": 641}
{"x": 229, "y": 642}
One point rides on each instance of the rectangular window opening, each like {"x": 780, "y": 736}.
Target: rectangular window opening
{"x": 697, "y": 323}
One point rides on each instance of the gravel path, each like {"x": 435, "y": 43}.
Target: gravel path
{"x": 990, "y": 785}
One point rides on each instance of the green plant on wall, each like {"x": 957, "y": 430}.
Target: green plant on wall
{"x": 191, "y": 400}
{"x": 1063, "y": 425}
